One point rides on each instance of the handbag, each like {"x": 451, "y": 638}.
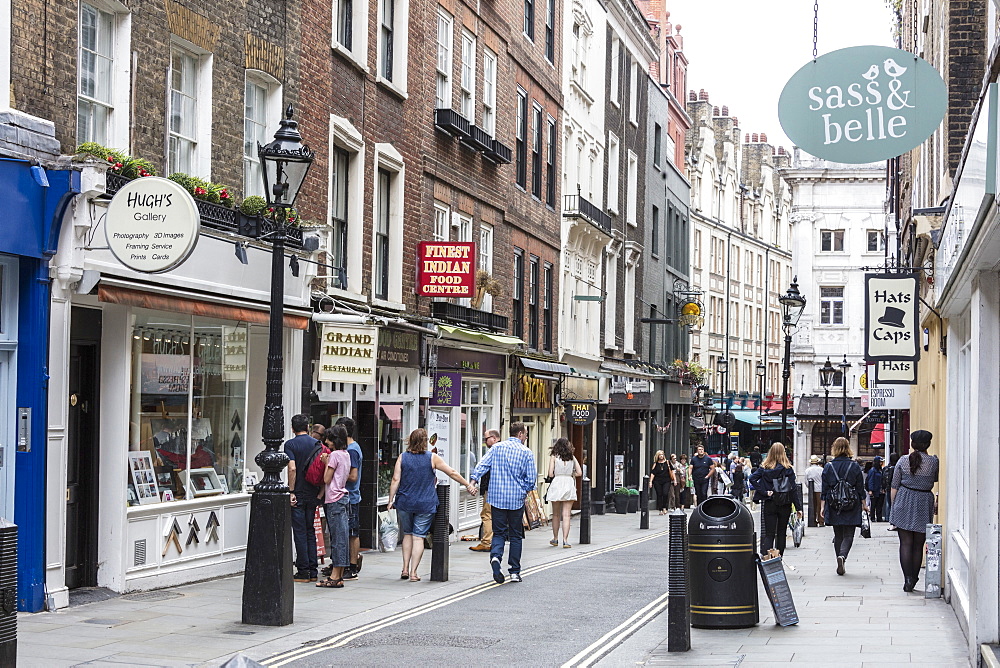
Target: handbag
{"x": 866, "y": 525}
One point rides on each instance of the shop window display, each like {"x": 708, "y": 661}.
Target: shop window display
{"x": 391, "y": 418}
{"x": 188, "y": 404}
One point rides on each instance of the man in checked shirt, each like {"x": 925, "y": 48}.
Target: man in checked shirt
{"x": 513, "y": 473}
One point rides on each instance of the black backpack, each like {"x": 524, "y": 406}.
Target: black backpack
{"x": 843, "y": 497}
{"x": 782, "y": 488}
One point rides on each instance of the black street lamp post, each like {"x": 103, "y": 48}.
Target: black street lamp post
{"x": 761, "y": 371}
{"x": 792, "y": 304}
{"x": 268, "y": 597}
{"x": 845, "y": 366}
{"x": 826, "y": 374}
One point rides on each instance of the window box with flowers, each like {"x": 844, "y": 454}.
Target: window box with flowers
{"x": 690, "y": 373}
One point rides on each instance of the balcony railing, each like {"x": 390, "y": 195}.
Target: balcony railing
{"x": 452, "y": 122}
{"x": 465, "y": 315}
{"x": 575, "y": 206}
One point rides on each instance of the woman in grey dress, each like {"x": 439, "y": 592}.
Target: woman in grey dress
{"x": 913, "y": 504}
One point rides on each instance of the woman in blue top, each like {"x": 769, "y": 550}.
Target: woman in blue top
{"x": 413, "y": 494}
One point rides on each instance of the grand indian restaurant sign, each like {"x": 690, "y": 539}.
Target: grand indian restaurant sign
{"x": 862, "y": 104}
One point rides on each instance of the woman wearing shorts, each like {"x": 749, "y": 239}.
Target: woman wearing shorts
{"x": 414, "y": 496}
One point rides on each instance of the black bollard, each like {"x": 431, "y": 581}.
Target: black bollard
{"x": 584, "y": 512}
{"x": 644, "y": 503}
{"x": 811, "y": 520}
{"x": 678, "y": 593}
{"x": 439, "y": 542}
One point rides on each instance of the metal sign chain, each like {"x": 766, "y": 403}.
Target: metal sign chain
{"x": 815, "y": 26}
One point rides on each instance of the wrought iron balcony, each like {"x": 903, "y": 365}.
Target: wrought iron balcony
{"x": 500, "y": 153}
{"x": 576, "y": 206}
{"x": 452, "y": 122}
{"x": 465, "y": 315}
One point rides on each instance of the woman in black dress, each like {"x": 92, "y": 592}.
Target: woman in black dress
{"x": 661, "y": 478}
{"x": 913, "y": 504}
{"x": 844, "y": 521}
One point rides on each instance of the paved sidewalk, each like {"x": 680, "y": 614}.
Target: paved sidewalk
{"x": 863, "y": 618}
{"x": 199, "y": 624}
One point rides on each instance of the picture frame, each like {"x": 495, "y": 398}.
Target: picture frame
{"x": 203, "y": 482}
{"x": 168, "y": 495}
{"x": 140, "y": 466}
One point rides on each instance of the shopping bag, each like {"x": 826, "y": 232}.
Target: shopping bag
{"x": 866, "y": 525}
{"x": 798, "y": 528}
{"x": 388, "y": 532}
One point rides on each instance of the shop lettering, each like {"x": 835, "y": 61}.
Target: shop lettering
{"x": 446, "y": 251}
{"x": 446, "y": 267}
{"x": 886, "y": 297}
{"x": 880, "y": 395}
{"x": 347, "y": 351}
{"x": 148, "y": 199}
{"x": 882, "y": 334}
{"x": 895, "y": 366}
{"x": 400, "y": 340}
{"x": 336, "y": 368}
{"x": 444, "y": 289}
{"x": 358, "y": 339}
{"x": 152, "y": 217}
{"x": 470, "y": 366}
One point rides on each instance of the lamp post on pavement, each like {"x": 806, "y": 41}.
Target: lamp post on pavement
{"x": 826, "y": 374}
{"x": 792, "y": 304}
{"x": 845, "y": 366}
{"x": 761, "y": 371}
{"x": 268, "y": 597}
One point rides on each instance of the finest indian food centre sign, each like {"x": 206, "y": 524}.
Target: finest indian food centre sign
{"x": 862, "y": 104}
{"x": 152, "y": 225}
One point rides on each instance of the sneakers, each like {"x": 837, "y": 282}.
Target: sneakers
{"x": 350, "y": 574}
{"x": 497, "y": 575}
{"x": 840, "y": 565}
{"x": 554, "y": 543}
{"x": 302, "y": 576}
{"x": 515, "y": 577}
{"x": 326, "y": 570}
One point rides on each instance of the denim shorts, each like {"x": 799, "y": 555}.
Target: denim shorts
{"x": 418, "y": 524}
{"x": 336, "y": 524}
{"x": 354, "y": 519}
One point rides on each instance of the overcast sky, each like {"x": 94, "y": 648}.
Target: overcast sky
{"x": 742, "y": 53}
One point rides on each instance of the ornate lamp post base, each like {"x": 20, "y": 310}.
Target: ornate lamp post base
{"x": 268, "y": 596}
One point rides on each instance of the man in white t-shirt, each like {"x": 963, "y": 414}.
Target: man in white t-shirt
{"x": 814, "y": 475}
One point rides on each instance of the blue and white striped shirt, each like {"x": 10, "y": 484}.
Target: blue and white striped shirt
{"x": 512, "y": 470}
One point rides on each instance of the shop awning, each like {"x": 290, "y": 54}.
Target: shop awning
{"x": 394, "y": 413}
{"x": 480, "y": 337}
{"x": 544, "y": 366}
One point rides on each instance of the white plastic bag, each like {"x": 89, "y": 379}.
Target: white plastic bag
{"x": 388, "y": 532}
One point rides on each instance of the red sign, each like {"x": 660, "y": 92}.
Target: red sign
{"x": 446, "y": 269}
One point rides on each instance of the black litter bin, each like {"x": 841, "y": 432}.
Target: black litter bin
{"x": 8, "y": 593}
{"x": 721, "y": 564}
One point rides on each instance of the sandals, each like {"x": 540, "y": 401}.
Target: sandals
{"x": 567, "y": 545}
{"x": 330, "y": 583}
{"x": 414, "y": 578}
{"x": 404, "y": 576}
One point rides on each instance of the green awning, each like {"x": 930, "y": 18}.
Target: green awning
{"x": 480, "y": 337}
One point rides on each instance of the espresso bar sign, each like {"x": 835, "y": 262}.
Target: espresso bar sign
{"x": 862, "y": 104}
{"x": 152, "y": 225}
{"x": 891, "y": 310}
{"x": 446, "y": 269}
{"x": 348, "y": 353}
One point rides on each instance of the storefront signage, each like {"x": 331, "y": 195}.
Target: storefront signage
{"x": 891, "y": 309}
{"x": 446, "y": 269}
{"x": 447, "y": 389}
{"x": 152, "y": 225}
{"x": 347, "y": 354}
{"x": 580, "y": 413}
{"x": 532, "y": 393}
{"x": 165, "y": 374}
{"x": 862, "y": 104}
{"x": 471, "y": 363}
{"x": 438, "y": 433}
{"x": 626, "y": 385}
{"x": 889, "y": 397}
{"x": 398, "y": 348}
{"x": 234, "y": 354}
{"x": 890, "y": 372}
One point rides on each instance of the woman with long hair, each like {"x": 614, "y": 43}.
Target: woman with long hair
{"x": 776, "y": 490}
{"x": 413, "y": 494}
{"x": 843, "y": 520}
{"x": 563, "y": 469}
{"x": 661, "y": 478}
{"x": 913, "y": 504}
{"x": 684, "y": 481}
{"x": 336, "y": 500}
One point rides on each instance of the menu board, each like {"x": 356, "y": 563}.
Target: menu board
{"x": 772, "y": 573}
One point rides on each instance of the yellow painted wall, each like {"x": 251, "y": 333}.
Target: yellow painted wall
{"x": 927, "y": 401}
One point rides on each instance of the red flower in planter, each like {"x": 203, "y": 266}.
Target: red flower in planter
{"x": 199, "y": 190}
{"x": 143, "y": 172}
{"x": 224, "y": 194}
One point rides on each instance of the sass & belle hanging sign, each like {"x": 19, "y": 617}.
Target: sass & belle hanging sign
{"x": 862, "y": 104}
{"x": 348, "y": 353}
{"x": 891, "y": 310}
{"x": 152, "y": 225}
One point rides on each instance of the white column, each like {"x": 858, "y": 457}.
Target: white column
{"x": 55, "y": 456}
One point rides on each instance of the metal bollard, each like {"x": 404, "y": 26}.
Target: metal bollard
{"x": 584, "y": 512}
{"x": 811, "y": 520}
{"x": 678, "y": 593}
{"x": 932, "y": 573}
{"x": 439, "y": 549}
{"x": 644, "y": 503}
{"x": 8, "y": 593}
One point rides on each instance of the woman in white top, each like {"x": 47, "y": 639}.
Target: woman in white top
{"x": 563, "y": 471}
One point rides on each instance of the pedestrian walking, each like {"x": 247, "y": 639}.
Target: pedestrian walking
{"x": 776, "y": 490}
{"x": 513, "y": 472}
{"x": 843, "y": 499}
{"x": 814, "y": 475}
{"x": 336, "y": 505}
{"x": 887, "y": 487}
{"x": 702, "y": 469}
{"x": 661, "y": 479}
{"x": 563, "y": 472}
{"x": 485, "y": 515}
{"x": 913, "y": 504}
{"x": 684, "y": 482}
{"x": 676, "y": 486}
{"x": 739, "y": 490}
{"x": 301, "y": 451}
{"x": 413, "y": 493}
{"x": 873, "y": 485}
{"x": 354, "y": 492}
{"x": 755, "y": 458}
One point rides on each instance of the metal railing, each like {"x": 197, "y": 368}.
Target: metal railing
{"x": 576, "y": 206}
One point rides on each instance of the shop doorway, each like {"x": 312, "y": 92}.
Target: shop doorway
{"x": 83, "y": 449}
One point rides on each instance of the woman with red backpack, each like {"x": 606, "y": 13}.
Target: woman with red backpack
{"x": 338, "y": 471}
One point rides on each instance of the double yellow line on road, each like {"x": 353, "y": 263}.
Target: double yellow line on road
{"x": 354, "y": 634}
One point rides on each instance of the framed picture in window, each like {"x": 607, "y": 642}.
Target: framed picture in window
{"x": 140, "y": 467}
{"x": 203, "y": 482}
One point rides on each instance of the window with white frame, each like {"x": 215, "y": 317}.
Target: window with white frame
{"x": 96, "y": 80}
{"x": 261, "y": 104}
{"x": 444, "y": 40}
{"x": 190, "y": 113}
{"x": 393, "y": 42}
{"x": 521, "y": 141}
{"x": 383, "y": 207}
{"x": 633, "y": 94}
{"x": 489, "y": 92}
{"x": 350, "y": 31}
{"x": 344, "y": 30}
{"x": 462, "y": 223}
{"x": 442, "y": 221}
{"x": 613, "y": 167}
{"x": 536, "y": 151}
{"x": 485, "y": 250}
{"x": 696, "y": 259}
{"x": 614, "y": 91}
{"x": 876, "y": 241}
{"x": 340, "y": 161}
{"x": 550, "y": 164}
{"x": 550, "y": 30}
{"x": 388, "y": 215}
{"x": 831, "y": 306}
{"x": 831, "y": 241}
{"x": 467, "y": 100}
{"x": 632, "y": 184}
{"x": 529, "y": 19}
{"x": 348, "y": 242}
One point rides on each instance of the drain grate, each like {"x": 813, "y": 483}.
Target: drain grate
{"x": 104, "y": 622}
{"x": 430, "y": 640}
{"x": 152, "y": 596}
{"x": 840, "y": 599}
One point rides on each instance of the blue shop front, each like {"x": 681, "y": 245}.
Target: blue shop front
{"x": 35, "y": 200}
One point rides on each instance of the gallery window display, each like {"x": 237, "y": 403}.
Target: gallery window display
{"x": 188, "y": 407}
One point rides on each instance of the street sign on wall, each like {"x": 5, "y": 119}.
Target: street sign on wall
{"x": 891, "y": 309}
{"x": 446, "y": 269}
{"x": 862, "y": 104}
{"x": 152, "y": 225}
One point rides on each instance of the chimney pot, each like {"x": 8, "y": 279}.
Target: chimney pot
{"x": 746, "y": 138}
{"x": 692, "y": 96}
{"x": 755, "y": 138}
{"x": 725, "y": 110}
{"x": 715, "y": 111}
{"x": 763, "y": 138}
{"x": 703, "y": 95}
